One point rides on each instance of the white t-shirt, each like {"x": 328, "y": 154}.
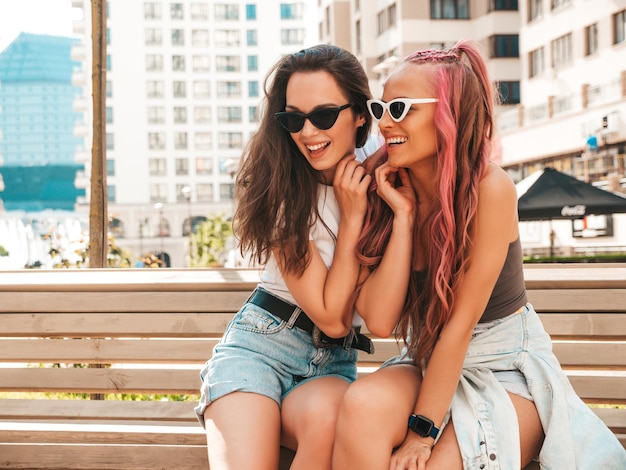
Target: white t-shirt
{"x": 271, "y": 278}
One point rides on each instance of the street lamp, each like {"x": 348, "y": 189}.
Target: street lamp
{"x": 159, "y": 206}
{"x": 186, "y": 191}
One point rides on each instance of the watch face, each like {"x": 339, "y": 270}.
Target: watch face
{"x": 421, "y": 425}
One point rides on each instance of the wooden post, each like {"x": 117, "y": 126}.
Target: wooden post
{"x": 98, "y": 218}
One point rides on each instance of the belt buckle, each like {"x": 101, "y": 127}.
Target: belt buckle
{"x": 319, "y": 339}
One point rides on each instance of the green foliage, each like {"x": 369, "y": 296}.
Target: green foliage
{"x": 209, "y": 242}
{"x": 3, "y": 251}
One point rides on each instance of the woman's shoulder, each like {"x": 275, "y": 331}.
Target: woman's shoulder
{"x": 497, "y": 182}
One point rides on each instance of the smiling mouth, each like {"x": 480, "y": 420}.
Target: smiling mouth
{"x": 314, "y": 148}
{"x": 396, "y": 140}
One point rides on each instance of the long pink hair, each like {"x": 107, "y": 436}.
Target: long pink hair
{"x": 464, "y": 120}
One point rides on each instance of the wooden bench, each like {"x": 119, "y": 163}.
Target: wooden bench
{"x": 149, "y": 332}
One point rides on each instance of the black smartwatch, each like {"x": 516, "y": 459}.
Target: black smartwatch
{"x": 423, "y": 426}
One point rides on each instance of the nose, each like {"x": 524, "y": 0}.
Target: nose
{"x": 308, "y": 127}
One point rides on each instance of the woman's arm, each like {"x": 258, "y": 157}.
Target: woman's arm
{"x": 324, "y": 293}
{"x": 382, "y": 296}
{"x": 496, "y": 227}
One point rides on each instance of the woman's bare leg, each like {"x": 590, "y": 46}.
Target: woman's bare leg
{"x": 373, "y": 418}
{"x": 447, "y": 455}
{"x": 243, "y": 431}
{"x": 309, "y": 417}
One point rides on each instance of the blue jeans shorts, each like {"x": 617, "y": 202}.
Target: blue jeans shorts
{"x": 261, "y": 353}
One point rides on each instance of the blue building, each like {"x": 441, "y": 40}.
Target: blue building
{"x": 37, "y": 142}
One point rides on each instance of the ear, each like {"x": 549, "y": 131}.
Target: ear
{"x": 360, "y": 120}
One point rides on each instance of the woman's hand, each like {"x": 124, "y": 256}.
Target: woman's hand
{"x": 402, "y": 198}
{"x": 412, "y": 454}
{"x": 350, "y": 185}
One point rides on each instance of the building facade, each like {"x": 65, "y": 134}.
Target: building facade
{"x": 184, "y": 85}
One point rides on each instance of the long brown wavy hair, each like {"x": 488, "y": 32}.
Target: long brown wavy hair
{"x": 465, "y": 122}
{"x": 276, "y": 188}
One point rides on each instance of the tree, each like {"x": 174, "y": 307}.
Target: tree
{"x": 209, "y": 242}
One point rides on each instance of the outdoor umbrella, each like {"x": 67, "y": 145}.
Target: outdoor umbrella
{"x": 549, "y": 194}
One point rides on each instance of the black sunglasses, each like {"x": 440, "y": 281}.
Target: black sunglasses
{"x": 323, "y": 118}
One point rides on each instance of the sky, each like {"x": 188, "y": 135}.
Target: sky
{"x": 52, "y": 17}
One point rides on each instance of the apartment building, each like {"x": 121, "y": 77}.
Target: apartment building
{"x": 560, "y": 69}
{"x": 184, "y": 84}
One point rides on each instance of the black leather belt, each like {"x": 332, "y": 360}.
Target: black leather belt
{"x": 285, "y": 310}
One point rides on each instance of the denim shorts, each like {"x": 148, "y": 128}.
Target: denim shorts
{"x": 261, "y": 353}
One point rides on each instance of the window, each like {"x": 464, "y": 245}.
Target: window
{"x": 180, "y": 140}
{"x": 201, "y": 89}
{"x": 109, "y": 141}
{"x": 392, "y": 15}
{"x": 151, "y": 10}
{"x": 229, "y": 114}
{"x": 156, "y": 140}
{"x": 199, "y": 11}
{"x": 109, "y": 89}
{"x": 382, "y": 22}
{"x": 251, "y": 37}
{"x": 109, "y": 64}
{"x": 291, "y": 11}
{"x": 226, "y": 191}
{"x": 359, "y": 47}
{"x": 158, "y": 193}
{"x": 591, "y": 39}
{"x": 182, "y": 167}
{"x": 202, "y": 115}
{"x": 229, "y": 140}
{"x": 204, "y": 192}
{"x": 201, "y": 63}
{"x": 178, "y": 37}
{"x": 180, "y": 115}
{"x": 200, "y": 37}
{"x": 110, "y": 167}
{"x": 449, "y": 9}
{"x": 619, "y": 27}
{"x": 155, "y": 89}
{"x": 109, "y": 115}
{"x": 176, "y": 11}
{"x": 506, "y": 5}
{"x": 535, "y": 62}
{"x": 204, "y": 166}
{"x": 554, "y": 4}
{"x": 292, "y": 36}
{"x": 226, "y": 12}
{"x": 180, "y": 89}
{"x": 253, "y": 63}
{"x": 154, "y": 63}
{"x": 227, "y": 38}
{"x": 157, "y": 166}
{"x": 228, "y": 89}
{"x": 156, "y": 114}
{"x": 505, "y": 45}
{"x": 178, "y": 63}
{"x": 509, "y": 92}
{"x": 252, "y": 114}
{"x": 202, "y": 141}
{"x": 111, "y": 193}
{"x": 250, "y": 12}
{"x": 153, "y": 37}
{"x": 253, "y": 89}
{"x": 227, "y": 63}
{"x": 561, "y": 49}
{"x": 535, "y": 10}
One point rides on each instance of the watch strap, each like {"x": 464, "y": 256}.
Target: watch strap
{"x": 423, "y": 426}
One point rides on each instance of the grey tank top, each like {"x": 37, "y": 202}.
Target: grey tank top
{"x": 509, "y": 293}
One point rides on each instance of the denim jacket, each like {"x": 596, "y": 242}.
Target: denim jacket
{"x": 575, "y": 438}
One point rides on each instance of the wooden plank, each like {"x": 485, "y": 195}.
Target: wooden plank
{"x": 578, "y": 300}
{"x": 102, "y": 457}
{"x": 105, "y": 302}
{"x": 98, "y": 325}
{"x": 106, "y": 380}
{"x": 575, "y": 276}
{"x": 107, "y": 351}
{"x": 584, "y": 325}
{"x": 599, "y": 386}
{"x": 605, "y": 354}
{"x": 98, "y": 410}
{"x": 135, "y": 280}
